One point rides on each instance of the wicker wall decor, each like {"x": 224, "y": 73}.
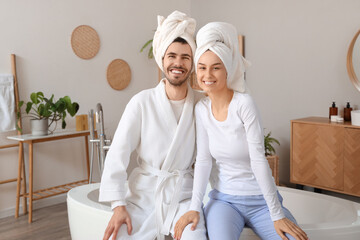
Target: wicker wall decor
{"x": 118, "y": 74}
{"x": 85, "y": 42}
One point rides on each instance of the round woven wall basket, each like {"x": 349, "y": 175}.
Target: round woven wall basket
{"x": 118, "y": 74}
{"x": 85, "y": 42}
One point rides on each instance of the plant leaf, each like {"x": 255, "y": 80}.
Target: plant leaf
{"x": 28, "y": 107}
{"x": 73, "y": 108}
{"x": 41, "y": 110}
{"x": 60, "y": 105}
{"x": 18, "y": 128}
{"x": 151, "y": 54}
{"x": 63, "y": 123}
{"x": 51, "y": 100}
{"x": 145, "y": 45}
{"x": 67, "y": 100}
{"x": 37, "y": 97}
{"x": 268, "y": 142}
{"x": 33, "y": 97}
{"x": 40, "y": 96}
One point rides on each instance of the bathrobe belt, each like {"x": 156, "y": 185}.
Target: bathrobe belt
{"x": 163, "y": 225}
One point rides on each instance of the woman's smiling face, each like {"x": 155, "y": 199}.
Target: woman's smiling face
{"x": 211, "y": 72}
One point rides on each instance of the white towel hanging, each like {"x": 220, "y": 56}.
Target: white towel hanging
{"x": 7, "y": 103}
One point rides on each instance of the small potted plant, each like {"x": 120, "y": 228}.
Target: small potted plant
{"x": 45, "y": 111}
{"x": 271, "y": 156}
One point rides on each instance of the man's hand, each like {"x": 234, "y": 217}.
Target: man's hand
{"x": 284, "y": 225}
{"x": 119, "y": 217}
{"x": 189, "y": 217}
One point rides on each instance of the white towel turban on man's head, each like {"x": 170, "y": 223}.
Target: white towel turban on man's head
{"x": 177, "y": 24}
{"x": 221, "y": 38}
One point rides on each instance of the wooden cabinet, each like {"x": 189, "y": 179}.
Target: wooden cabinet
{"x": 352, "y": 161}
{"x": 325, "y": 155}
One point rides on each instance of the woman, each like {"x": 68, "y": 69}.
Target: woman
{"x": 229, "y": 131}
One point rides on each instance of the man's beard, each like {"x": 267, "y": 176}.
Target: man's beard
{"x": 176, "y": 83}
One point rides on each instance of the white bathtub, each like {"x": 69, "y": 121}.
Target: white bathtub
{"x": 320, "y": 216}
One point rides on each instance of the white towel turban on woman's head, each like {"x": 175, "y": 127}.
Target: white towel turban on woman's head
{"x": 221, "y": 38}
{"x": 177, "y": 24}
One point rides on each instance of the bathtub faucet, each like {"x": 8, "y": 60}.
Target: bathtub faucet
{"x": 101, "y": 144}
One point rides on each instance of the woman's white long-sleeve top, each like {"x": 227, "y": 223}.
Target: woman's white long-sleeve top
{"x": 237, "y": 147}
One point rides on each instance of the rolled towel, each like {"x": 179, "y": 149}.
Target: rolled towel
{"x": 177, "y": 24}
{"x": 221, "y": 38}
{"x": 7, "y": 103}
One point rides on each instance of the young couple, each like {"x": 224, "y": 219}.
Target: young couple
{"x": 163, "y": 198}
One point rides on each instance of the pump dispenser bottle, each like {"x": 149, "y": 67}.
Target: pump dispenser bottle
{"x": 333, "y": 110}
{"x": 347, "y": 112}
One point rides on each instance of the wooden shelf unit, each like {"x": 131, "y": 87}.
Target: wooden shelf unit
{"x": 52, "y": 191}
{"x": 325, "y": 155}
{"x": 56, "y": 190}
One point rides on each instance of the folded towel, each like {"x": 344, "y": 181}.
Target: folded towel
{"x": 177, "y": 24}
{"x": 7, "y": 103}
{"x": 222, "y": 39}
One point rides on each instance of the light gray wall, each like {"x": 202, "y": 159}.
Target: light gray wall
{"x": 39, "y": 33}
{"x": 298, "y": 52}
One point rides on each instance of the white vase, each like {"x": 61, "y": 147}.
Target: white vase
{"x": 39, "y": 127}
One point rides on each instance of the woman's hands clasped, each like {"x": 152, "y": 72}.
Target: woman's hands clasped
{"x": 189, "y": 217}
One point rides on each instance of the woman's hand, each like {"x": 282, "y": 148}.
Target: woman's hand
{"x": 284, "y": 225}
{"x": 119, "y": 217}
{"x": 189, "y": 217}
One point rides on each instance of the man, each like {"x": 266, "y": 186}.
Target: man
{"x": 158, "y": 123}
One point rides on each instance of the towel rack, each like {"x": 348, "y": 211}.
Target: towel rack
{"x": 21, "y": 171}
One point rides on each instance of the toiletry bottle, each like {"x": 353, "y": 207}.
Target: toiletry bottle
{"x": 347, "y": 112}
{"x": 333, "y": 110}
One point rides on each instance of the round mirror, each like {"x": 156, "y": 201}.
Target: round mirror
{"x": 353, "y": 61}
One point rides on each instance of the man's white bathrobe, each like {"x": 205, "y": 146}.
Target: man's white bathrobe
{"x": 159, "y": 190}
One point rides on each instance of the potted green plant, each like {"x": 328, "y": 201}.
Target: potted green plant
{"x": 45, "y": 111}
{"x": 269, "y": 141}
{"x": 271, "y": 156}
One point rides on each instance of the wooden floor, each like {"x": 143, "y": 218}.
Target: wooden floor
{"x": 48, "y": 223}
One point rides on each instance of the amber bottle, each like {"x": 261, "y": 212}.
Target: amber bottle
{"x": 333, "y": 110}
{"x": 347, "y": 112}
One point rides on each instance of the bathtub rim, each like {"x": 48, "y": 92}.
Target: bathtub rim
{"x": 79, "y": 196}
